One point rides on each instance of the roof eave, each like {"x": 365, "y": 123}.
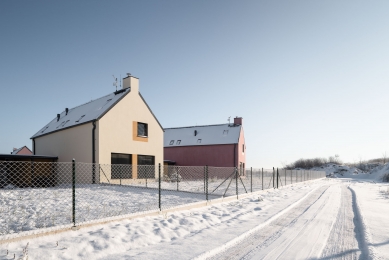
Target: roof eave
{"x": 89, "y": 121}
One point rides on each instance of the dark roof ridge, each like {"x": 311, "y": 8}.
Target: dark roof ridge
{"x": 230, "y": 125}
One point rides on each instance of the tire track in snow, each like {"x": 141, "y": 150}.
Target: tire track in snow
{"x": 343, "y": 241}
{"x": 266, "y": 237}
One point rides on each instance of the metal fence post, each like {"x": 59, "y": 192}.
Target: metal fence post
{"x": 206, "y": 182}
{"x": 177, "y": 178}
{"x": 93, "y": 173}
{"x": 74, "y": 192}
{"x": 251, "y": 180}
{"x": 277, "y": 177}
{"x": 236, "y": 181}
{"x": 273, "y": 177}
{"x": 285, "y": 177}
{"x": 159, "y": 186}
{"x": 262, "y": 178}
{"x": 204, "y": 177}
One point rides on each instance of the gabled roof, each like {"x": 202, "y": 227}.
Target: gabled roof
{"x": 208, "y": 135}
{"x": 82, "y": 114}
{"x": 18, "y": 150}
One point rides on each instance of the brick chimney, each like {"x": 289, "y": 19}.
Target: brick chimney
{"x": 238, "y": 121}
{"x": 131, "y": 82}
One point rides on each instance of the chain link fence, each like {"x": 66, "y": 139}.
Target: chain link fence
{"x": 37, "y": 195}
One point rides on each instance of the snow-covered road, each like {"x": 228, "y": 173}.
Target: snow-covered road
{"x": 325, "y": 225}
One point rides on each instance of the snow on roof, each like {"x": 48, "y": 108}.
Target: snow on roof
{"x": 202, "y": 135}
{"x": 82, "y": 114}
{"x": 17, "y": 150}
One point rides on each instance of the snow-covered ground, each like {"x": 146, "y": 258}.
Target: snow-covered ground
{"x": 335, "y": 218}
{"x": 26, "y": 209}
{"x": 31, "y": 209}
{"x": 182, "y": 234}
{"x": 344, "y": 171}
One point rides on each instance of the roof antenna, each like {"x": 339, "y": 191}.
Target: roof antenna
{"x": 115, "y": 84}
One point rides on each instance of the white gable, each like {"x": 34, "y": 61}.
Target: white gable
{"x": 202, "y": 135}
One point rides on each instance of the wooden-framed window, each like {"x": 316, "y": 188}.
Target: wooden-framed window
{"x": 121, "y": 166}
{"x": 146, "y": 166}
{"x": 142, "y": 129}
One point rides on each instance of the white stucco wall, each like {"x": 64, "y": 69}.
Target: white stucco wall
{"x": 116, "y": 133}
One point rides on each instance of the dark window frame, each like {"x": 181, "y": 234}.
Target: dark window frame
{"x": 121, "y": 168}
{"x": 145, "y": 130}
{"x": 146, "y": 171}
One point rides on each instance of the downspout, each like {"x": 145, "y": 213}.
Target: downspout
{"x": 93, "y": 152}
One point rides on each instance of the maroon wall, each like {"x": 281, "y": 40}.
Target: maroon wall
{"x": 25, "y": 151}
{"x": 201, "y": 155}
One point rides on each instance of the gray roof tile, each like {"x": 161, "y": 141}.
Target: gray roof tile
{"x": 82, "y": 114}
{"x": 208, "y": 134}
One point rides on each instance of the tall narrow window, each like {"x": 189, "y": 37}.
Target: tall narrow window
{"x": 243, "y": 148}
{"x": 121, "y": 167}
{"x": 142, "y": 130}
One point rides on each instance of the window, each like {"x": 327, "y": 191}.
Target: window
{"x": 171, "y": 142}
{"x": 178, "y": 141}
{"x": 243, "y": 148}
{"x": 121, "y": 167}
{"x": 80, "y": 118}
{"x": 199, "y": 141}
{"x": 142, "y": 129}
{"x": 104, "y": 104}
{"x": 63, "y": 124}
{"x": 146, "y": 167}
{"x": 145, "y": 160}
{"x": 225, "y": 132}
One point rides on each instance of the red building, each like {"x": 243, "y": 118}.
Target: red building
{"x": 22, "y": 151}
{"x": 213, "y": 145}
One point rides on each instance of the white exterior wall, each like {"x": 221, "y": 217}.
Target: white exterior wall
{"x": 75, "y": 142}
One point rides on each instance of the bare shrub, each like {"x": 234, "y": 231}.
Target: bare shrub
{"x": 311, "y": 163}
{"x": 385, "y": 177}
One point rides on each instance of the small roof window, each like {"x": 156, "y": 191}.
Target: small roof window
{"x": 225, "y": 132}
{"x": 80, "y": 118}
{"x": 199, "y": 141}
{"x": 178, "y": 142}
{"x": 104, "y": 104}
{"x": 44, "y": 129}
{"x": 62, "y": 124}
{"x": 171, "y": 142}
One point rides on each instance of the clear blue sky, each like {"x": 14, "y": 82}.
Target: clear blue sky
{"x": 310, "y": 78}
